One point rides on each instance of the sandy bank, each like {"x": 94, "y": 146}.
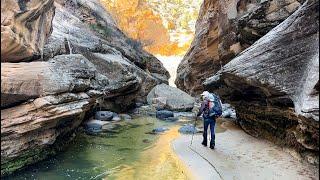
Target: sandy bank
{"x": 240, "y": 156}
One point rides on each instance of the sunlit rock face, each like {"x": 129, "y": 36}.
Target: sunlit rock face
{"x": 163, "y": 27}
{"x": 25, "y": 27}
{"x": 274, "y": 84}
{"x": 224, "y": 29}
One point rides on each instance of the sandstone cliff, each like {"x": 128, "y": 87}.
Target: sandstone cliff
{"x": 79, "y": 58}
{"x": 224, "y": 29}
{"x": 274, "y": 84}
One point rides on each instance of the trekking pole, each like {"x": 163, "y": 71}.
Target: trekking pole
{"x": 195, "y": 123}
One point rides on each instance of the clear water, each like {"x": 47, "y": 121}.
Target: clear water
{"x": 129, "y": 151}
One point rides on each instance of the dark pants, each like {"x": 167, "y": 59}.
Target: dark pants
{"x": 212, "y": 123}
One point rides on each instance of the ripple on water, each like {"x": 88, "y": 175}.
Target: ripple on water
{"x": 128, "y": 149}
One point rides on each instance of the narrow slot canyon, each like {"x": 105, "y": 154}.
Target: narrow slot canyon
{"x": 111, "y": 89}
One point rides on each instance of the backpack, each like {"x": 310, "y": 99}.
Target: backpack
{"x": 215, "y": 106}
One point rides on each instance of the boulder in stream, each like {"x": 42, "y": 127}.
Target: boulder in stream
{"x": 163, "y": 114}
{"x": 104, "y": 115}
{"x": 160, "y": 130}
{"x": 94, "y": 126}
{"x": 167, "y": 97}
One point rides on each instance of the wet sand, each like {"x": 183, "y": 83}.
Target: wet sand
{"x": 240, "y": 156}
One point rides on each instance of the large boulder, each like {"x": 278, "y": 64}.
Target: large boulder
{"x": 171, "y": 98}
{"x": 274, "y": 84}
{"x": 224, "y": 29}
{"x": 25, "y": 27}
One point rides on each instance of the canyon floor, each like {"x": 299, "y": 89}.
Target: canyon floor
{"x": 240, "y": 156}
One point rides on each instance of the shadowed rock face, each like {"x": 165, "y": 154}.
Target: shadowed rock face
{"x": 25, "y": 27}
{"x": 274, "y": 83}
{"x": 224, "y": 29}
{"x": 33, "y": 131}
{"x": 86, "y": 60}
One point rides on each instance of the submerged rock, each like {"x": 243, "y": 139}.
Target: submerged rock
{"x": 160, "y": 129}
{"x": 166, "y": 97}
{"x": 188, "y": 129}
{"x": 163, "y": 114}
{"x": 171, "y": 119}
{"x": 146, "y": 141}
{"x": 125, "y": 117}
{"x": 94, "y": 126}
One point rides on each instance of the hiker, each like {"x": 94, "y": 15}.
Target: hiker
{"x": 210, "y": 110}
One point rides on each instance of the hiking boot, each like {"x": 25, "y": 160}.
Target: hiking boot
{"x": 204, "y": 143}
{"x": 212, "y": 146}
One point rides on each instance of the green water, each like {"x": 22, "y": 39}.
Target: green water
{"x": 98, "y": 157}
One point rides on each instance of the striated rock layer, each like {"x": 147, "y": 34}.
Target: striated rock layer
{"x": 224, "y": 29}
{"x": 274, "y": 84}
{"x": 86, "y": 62}
{"x": 33, "y": 131}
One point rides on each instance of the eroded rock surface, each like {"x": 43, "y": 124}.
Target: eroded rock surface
{"x": 224, "y": 29}
{"x": 25, "y": 27}
{"x": 87, "y": 62}
{"x": 64, "y": 73}
{"x": 31, "y": 132}
{"x": 274, "y": 84}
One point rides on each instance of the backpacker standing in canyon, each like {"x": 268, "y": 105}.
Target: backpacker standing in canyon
{"x": 211, "y": 108}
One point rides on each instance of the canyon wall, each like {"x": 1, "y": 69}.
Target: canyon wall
{"x": 274, "y": 83}
{"x": 225, "y": 28}
{"x": 60, "y": 59}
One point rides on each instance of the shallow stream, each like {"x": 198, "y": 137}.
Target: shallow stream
{"x": 128, "y": 152}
